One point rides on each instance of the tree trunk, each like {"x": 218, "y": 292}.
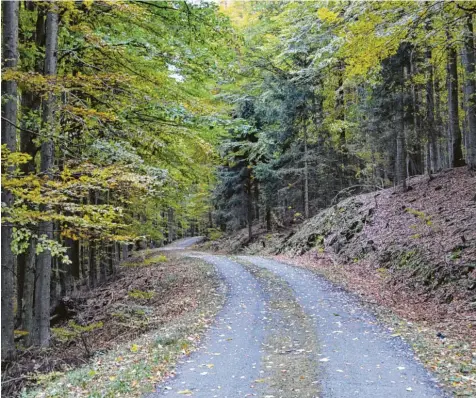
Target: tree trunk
{"x": 306, "y": 176}
{"x": 268, "y": 218}
{"x": 74, "y": 255}
{"x": 43, "y": 266}
{"x": 249, "y": 204}
{"x": 470, "y": 91}
{"x": 170, "y": 225}
{"x": 65, "y": 271}
{"x": 400, "y": 159}
{"x": 30, "y": 102}
{"x": 93, "y": 269}
{"x": 9, "y": 118}
{"x": 415, "y": 153}
{"x": 256, "y": 195}
{"x": 28, "y": 297}
{"x": 340, "y": 107}
{"x": 125, "y": 251}
{"x": 432, "y": 150}
{"x": 457, "y": 158}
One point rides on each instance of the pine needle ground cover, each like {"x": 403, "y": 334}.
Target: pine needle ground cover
{"x": 127, "y": 334}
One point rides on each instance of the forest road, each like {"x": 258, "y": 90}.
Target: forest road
{"x": 354, "y": 355}
{"x": 182, "y": 244}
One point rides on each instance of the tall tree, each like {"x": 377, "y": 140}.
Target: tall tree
{"x": 44, "y": 259}
{"x": 431, "y": 149}
{"x": 9, "y": 120}
{"x": 470, "y": 89}
{"x": 457, "y": 158}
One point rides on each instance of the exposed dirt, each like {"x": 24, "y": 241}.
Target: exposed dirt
{"x": 150, "y": 291}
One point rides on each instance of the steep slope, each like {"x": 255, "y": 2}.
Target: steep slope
{"x": 416, "y": 247}
{"x": 425, "y": 237}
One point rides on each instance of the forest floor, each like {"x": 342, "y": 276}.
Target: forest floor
{"x": 411, "y": 256}
{"x": 406, "y": 258}
{"x": 144, "y": 320}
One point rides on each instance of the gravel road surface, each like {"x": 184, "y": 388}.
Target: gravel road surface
{"x": 355, "y": 355}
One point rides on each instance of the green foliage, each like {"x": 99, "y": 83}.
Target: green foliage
{"x": 138, "y": 121}
{"x": 74, "y": 330}
{"x": 156, "y": 259}
{"x": 140, "y": 295}
{"x": 214, "y": 233}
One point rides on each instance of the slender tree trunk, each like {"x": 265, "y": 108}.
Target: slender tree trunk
{"x": 74, "y": 256}
{"x": 28, "y": 299}
{"x": 170, "y": 225}
{"x": 30, "y": 102}
{"x": 125, "y": 251}
{"x": 249, "y": 204}
{"x": 43, "y": 266}
{"x": 416, "y": 159}
{"x": 457, "y": 158}
{"x": 84, "y": 255}
{"x": 306, "y": 176}
{"x": 104, "y": 259}
{"x": 340, "y": 105}
{"x": 470, "y": 90}
{"x": 400, "y": 158}
{"x": 9, "y": 118}
{"x": 65, "y": 273}
{"x": 432, "y": 150}
{"x": 256, "y": 201}
{"x": 93, "y": 266}
{"x": 268, "y": 218}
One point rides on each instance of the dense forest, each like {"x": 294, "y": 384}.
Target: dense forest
{"x": 128, "y": 124}
{"x": 108, "y": 130}
{"x": 338, "y": 98}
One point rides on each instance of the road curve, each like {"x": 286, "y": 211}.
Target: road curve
{"x": 182, "y": 244}
{"x": 356, "y": 357}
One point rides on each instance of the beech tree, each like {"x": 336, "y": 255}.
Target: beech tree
{"x": 9, "y": 139}
{"x": 117, "y": 144}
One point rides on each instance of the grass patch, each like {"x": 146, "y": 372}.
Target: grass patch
{"x": 140, "y": 295}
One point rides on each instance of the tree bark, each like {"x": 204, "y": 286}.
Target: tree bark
{"x": 170, "y": 225}
{"x": 249, "y": 204}
{"x": 432, "y": 150}
{"x": 93, "y": 269}
{"x": 268, "y": 218}
{"x": 9, "y": 112}
{"x": 400, "y": 158}
{"x": 28, "y": 301}
{"x": 415, "y": 152}
{"x": 457, "y": 158}
{"x": 43, "y": 266}
{"x": 30, "y": 103}
{"x": 470, "y": 91}
{"x": 306, "y": 176}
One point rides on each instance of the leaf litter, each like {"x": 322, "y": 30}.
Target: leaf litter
{"x": 131, "y": 361}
